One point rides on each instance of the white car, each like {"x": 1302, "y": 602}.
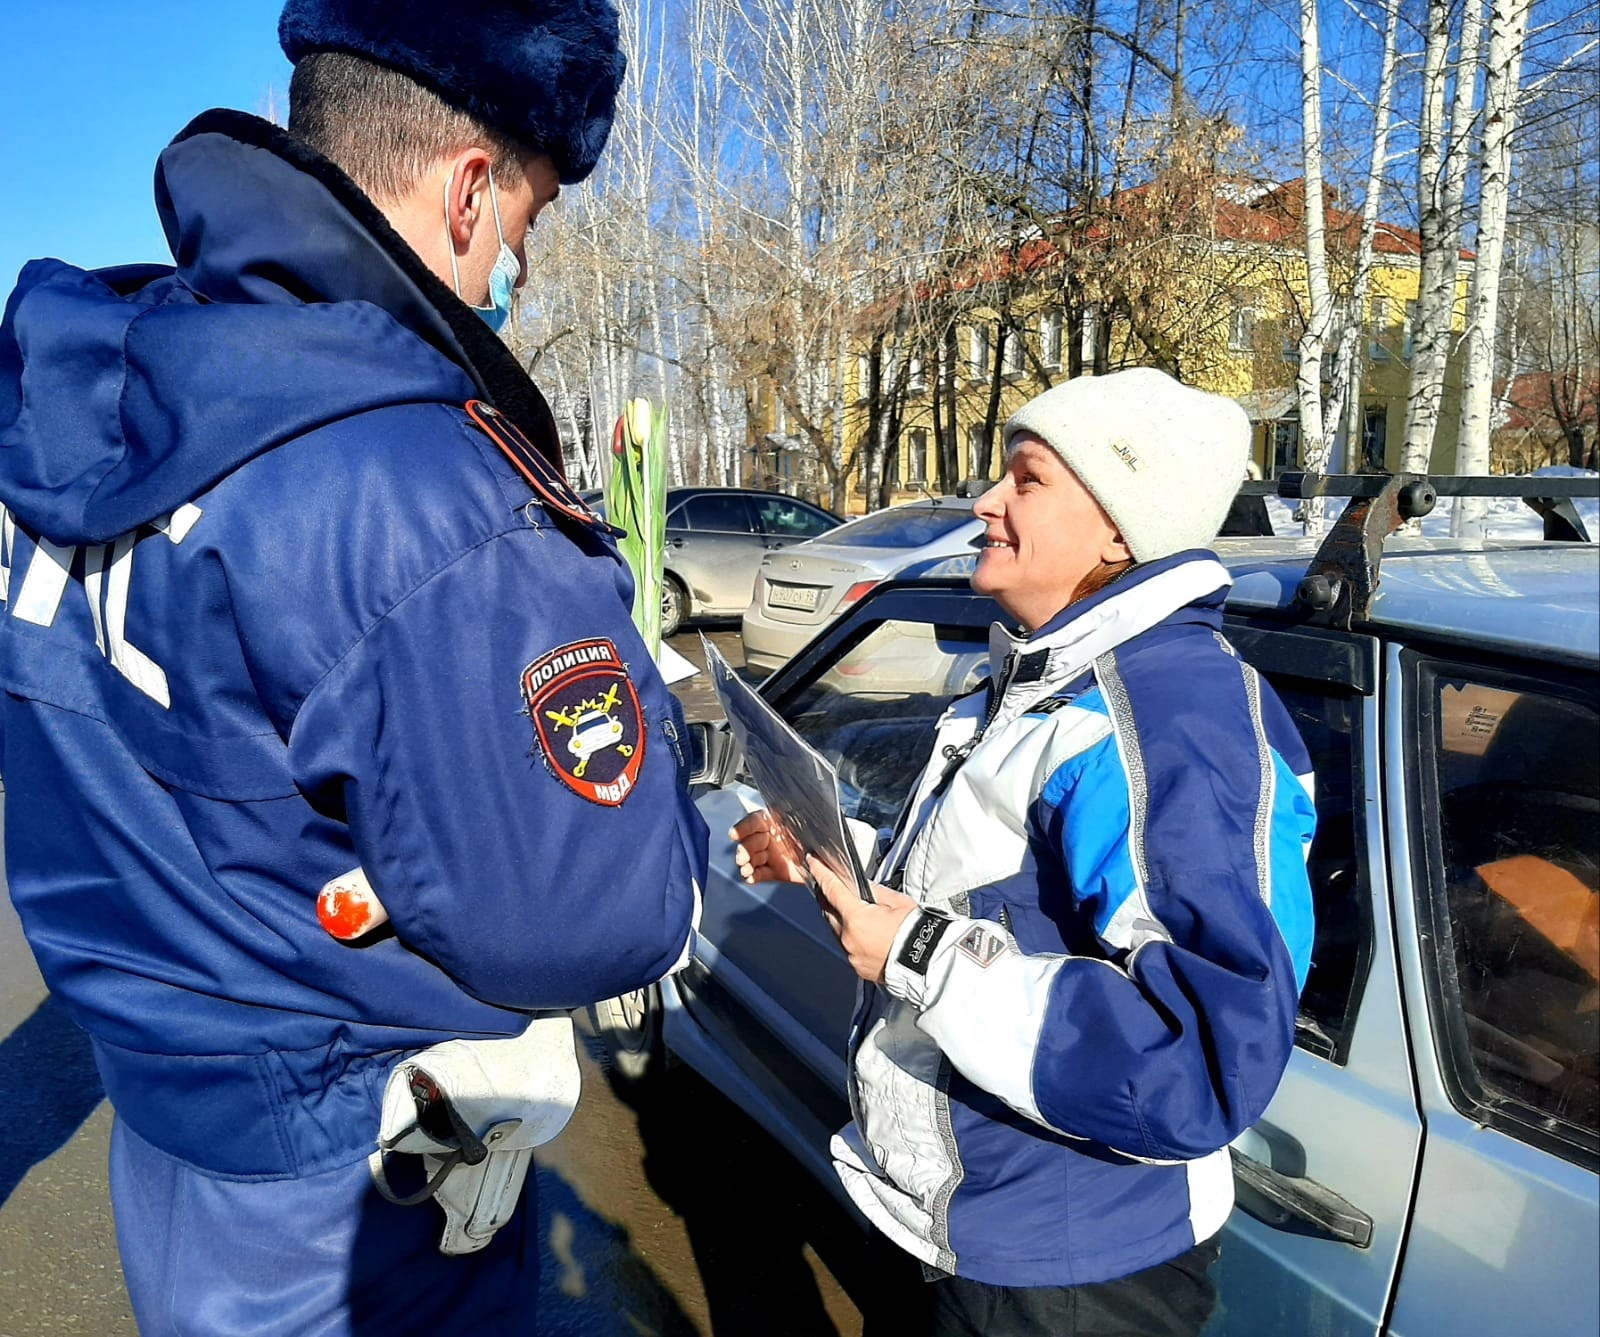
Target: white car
{"x": 801, "y": 589}
{"x": 593, "y": 732}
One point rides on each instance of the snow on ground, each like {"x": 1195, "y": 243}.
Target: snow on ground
{"x": 1508, "y": 518}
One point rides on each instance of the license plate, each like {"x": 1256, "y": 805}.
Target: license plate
{"x": 803, "y": 597}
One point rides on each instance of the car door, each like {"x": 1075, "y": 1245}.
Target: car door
{"x": 1324, "y": 1180}
{"x": 714, "y": 547}
{"x": 1497, "y": 791}
{"x": 774, "y": 988}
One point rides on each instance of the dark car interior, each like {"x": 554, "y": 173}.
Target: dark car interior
{"x": 1523, "y": 895}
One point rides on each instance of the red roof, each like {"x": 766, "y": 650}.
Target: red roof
{"x": 1273, "y": 214}
{"x": 1245, "y": 211}
{"x": 1532, "y": 396}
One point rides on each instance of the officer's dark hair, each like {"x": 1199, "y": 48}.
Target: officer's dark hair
{"x": 383, "y": 129}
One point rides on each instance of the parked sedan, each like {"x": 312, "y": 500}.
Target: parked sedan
{"x": 799, "y": 592}
{"x": 716, "y": 538}
{"x": 1429, "y": 1162}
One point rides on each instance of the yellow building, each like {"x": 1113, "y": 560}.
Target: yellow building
{"x": 1216, "y": 301}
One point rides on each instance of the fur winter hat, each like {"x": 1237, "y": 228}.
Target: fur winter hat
{"x": 544, "y": 72}
{"x": 1163, "y": 459}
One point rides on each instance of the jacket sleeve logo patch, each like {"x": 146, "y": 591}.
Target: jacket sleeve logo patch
{"x": 586, "y": 719}
{"x": 982, "y": 946}
{"x": 917, "y": 953}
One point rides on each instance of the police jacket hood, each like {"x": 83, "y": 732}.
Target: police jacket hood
{"x": 125, "y": 392}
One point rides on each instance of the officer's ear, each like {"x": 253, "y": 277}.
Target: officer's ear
{"x": 466, "y": 196}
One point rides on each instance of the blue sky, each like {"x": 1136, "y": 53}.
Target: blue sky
{"x": 90, "y": 93}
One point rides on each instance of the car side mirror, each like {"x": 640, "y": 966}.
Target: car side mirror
{"x": 713, "y": 754}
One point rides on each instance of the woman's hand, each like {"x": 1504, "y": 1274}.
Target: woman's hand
{"x": 866, "y": 929}
{"x": 763, "y": 851}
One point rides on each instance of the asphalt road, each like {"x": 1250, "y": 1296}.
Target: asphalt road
{"x": 671, "y": 1215}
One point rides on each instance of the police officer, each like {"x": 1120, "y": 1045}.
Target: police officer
{"x": 290, "y": 585}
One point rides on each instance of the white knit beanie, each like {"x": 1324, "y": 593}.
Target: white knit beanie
{"x": 1163, "y": 459}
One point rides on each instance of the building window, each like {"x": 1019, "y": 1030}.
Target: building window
{"x": 917, "y": 377}
{"x": 1050, "y": 339}
{"x": 1410, "y": 330}
{"x": 1013, "y": 361}
{"x": 863, "y": 376}
{"x": 974, "y": 449}
{"x": 1242, "y": 330}
{"x": 1285, "y": 446}
{"x": 1088, "y": 335}
{"x": 978, "y": 352}
{"x": 917, "y": 458}
{"x": 1379, "y": 348}
{"x": 1375, "y": 437}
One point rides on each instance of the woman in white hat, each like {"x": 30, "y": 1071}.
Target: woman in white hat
{"x": 1093, "y": 923}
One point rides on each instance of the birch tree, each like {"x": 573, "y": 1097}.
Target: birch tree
{"x": 1508, "y": 27}
{"x": 1547, "y": 367}
{"x": 1308, "y": 378}
{"x": 1441, "y": 174}
{"x": 1343, "y": 409}
{"x": 700, "y": 144}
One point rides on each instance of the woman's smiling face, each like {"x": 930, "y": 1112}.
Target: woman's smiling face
{"x": 1046, "y": 532}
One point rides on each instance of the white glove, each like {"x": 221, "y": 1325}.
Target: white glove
{"x": 474, "y": 1110}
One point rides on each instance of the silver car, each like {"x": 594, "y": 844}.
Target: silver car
{"x": 1428, "y": 1164}
{"x": 802, "y": 589}
{"x": 716, "y": 537}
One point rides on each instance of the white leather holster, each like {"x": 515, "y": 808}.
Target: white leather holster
{"x": 474, "y": 1110}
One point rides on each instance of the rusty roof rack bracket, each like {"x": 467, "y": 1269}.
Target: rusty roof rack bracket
{"x": 1342, "y": 578}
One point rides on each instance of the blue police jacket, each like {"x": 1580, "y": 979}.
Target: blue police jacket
{"x": 272, "y": 607}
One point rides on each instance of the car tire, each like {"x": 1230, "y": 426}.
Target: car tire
{"x": 629, "y": 1027}
{"x": 674, "y": 607}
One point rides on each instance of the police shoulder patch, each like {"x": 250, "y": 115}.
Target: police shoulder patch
{"x": 587, "y": 720}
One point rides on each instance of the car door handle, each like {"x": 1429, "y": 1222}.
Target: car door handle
{"x": 1275, "y": 1198}
{"x": 676, "y": 543}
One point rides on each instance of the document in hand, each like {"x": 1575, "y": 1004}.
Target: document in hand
{"x": 798, "y": 783}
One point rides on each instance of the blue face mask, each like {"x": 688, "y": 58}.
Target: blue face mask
{"x": 507, "y": 268}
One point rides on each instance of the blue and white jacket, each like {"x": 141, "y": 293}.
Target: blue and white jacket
{"x": 271, "y": 607}
{"x": 1100, "y": 995}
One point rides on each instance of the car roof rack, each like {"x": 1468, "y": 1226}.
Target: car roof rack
{"x": 1342, "y": 579}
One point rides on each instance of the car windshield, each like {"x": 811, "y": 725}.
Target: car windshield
{"x": 902, "y": 527}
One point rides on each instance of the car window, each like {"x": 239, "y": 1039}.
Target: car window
{"x": 1329, "y": 722}
{"x": 1513, "y": 893}
{"x": 872, "y": 711}
{"x": 788, "y": 518}
{"x": 903, "y": 527}
{"x": 713, "y": 512}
